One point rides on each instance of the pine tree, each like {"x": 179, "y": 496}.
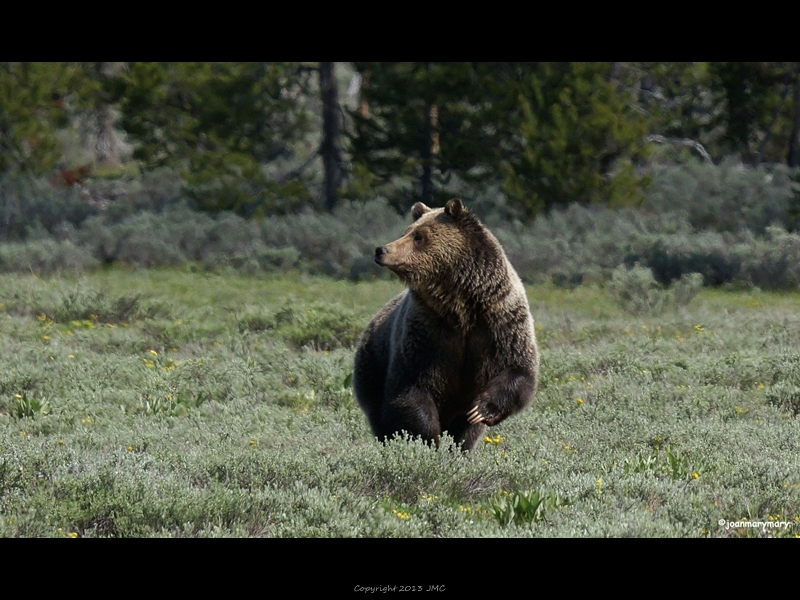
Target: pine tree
{"x": 218, "y": 124}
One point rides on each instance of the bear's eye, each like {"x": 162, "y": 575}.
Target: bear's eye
{"x": 418, "y": 238}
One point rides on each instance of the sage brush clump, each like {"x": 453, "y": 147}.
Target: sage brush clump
{"x": 637, "y": 291}
{"x": 318, "y": 326}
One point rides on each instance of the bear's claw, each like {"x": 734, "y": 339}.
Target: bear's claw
{"x": 474, "y": 416}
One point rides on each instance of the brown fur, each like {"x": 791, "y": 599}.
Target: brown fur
{"x": 456, "y": 350}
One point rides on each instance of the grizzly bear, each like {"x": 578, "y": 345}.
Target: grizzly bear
{"x": 456, "y": 350}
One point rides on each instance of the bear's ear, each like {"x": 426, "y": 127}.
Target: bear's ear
{"x": 418, "y": 210}
{"x": 454, "y": 208}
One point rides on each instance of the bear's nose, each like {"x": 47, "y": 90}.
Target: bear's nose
{"x": 380, "y": 251}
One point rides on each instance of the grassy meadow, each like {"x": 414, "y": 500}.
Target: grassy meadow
{"x": 174, "y": 403}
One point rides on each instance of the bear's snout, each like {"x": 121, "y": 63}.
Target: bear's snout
{"x": 379, "y": 252}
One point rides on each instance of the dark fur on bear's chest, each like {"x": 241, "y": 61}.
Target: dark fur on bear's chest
{"x": 417, "y": 373}
{"x": 449, "y": 362}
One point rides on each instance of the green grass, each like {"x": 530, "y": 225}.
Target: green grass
{"x": 172, "y": 403}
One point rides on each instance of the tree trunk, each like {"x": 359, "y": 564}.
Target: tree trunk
{"x": 427, "y": 158}
{"x": 106, "y": 146}
{"x": 331, "y": 131}
{"x": 100, "y": 139}
{"x": 430, "y": 147}
{"x": 793, "y": 159}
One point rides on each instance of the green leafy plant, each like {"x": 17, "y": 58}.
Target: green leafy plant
{"x": 640, "y": 464}
{"x": 523, "y": 507}
{"x": 679, "y": 468}
{"x": 27, "y": 406}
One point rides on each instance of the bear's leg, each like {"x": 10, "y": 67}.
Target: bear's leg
{"x": 465, "y": 434}
{"x": 415, "y": 413}
{"x": 369, "y": 397}
{"x": 368, "y": 382}
{"x": 472, "y": 436}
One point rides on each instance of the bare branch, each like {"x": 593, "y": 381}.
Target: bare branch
{"x": 660, "y": 139}
{"x": 295, "y": 172}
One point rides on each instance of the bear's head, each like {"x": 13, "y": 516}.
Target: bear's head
{"x": 442, "y": 250}
{"x": 432, "y": 243}
{"x": 450, "y": 262}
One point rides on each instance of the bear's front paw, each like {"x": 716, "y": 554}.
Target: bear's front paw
{"x": 485, "y": 412}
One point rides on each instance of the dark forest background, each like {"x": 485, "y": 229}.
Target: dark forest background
{"x": 579, "y": 168}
